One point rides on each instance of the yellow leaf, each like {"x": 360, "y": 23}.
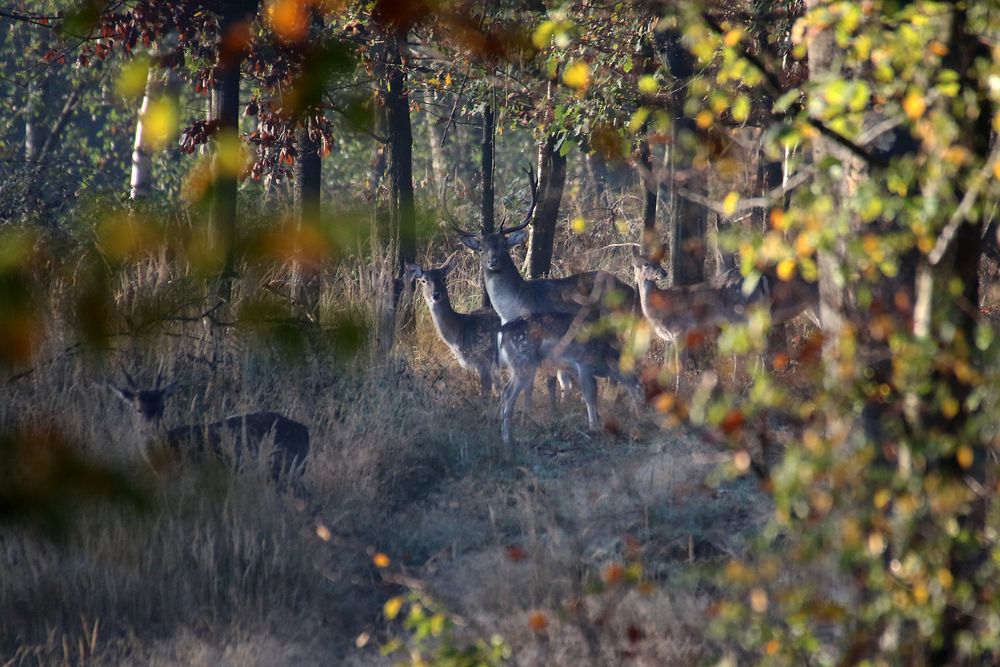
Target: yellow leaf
{"x": 733, "y": 37}
{"x": 648, "y": 84}
{"x": 161, "y": 120}
{"x": 965, "y": 456}
{"x": 392, "y": 607}
{"x": 949, "y": 408}
{"x": 945, "y": 578}
{"x": 741, "y": 460}
{"x": 578, "y": 225}
{"x": 543, "y": 34}
{"x": 778, "y": 219}
{"x": 914, "y": 105}
{"x": 786, "y": 269}
{"x": 380, "y": 560}
{"x": 132, "y": 80}
{"x": 638, "y": 119}
{"x": 323, "y": 533}
{"x": 730, "y": 203}
{"x": 447, "y": 80}
{"x": 938, "y": 49}
{"x": 704, "y": 119}
{"x": 289, "y": 19}
{"x": 577, "y": 75}
{"x": 758, "y": 600}
{"x": 229, "y": 154}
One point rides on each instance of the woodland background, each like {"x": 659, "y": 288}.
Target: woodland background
{"x": 225, "y": 193}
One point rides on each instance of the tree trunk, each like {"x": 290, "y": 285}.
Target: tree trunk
{"x": 400, "y": 135}
{"x": 307, "y": 178}
{"x": 487, "y": 151}
{"x": 231, "y": 49}
{"x": 141, "y": 179}
{"x": 551, "y": 179}
{"x": 833, "y": 300}
{"x": 650, "y": 186}
{"x": 439, "y": 166}
{"x": 690, "y": 221}
{"x": 597, "y": 170}
{"x": 937, "y": 277}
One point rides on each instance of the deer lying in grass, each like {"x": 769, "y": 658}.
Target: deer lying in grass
{"x": 554, "y": 341}
{"x": 514, "y": 297}
{"x": 244, "y": 434}
{"x": 471, "y": 337}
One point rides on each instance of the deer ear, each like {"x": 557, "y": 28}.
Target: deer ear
{"x": 449, "y": 263}
{"x": 124, "y": 395}
{"x": 412, "y": 271}
{"x": 637, "y": 258}
{"x": 517, "y": 238}
{"x": 470, "y": 241}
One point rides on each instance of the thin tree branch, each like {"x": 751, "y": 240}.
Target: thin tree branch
{"x": 958, "y": 217}
{"x": 775, "y": 88}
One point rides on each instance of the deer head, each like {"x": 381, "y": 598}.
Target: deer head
{"x": 648, "y": 267}
{"x": 432, "y": 281}
{"x": 494, "y": 248}
{"x": 147, "y": 403}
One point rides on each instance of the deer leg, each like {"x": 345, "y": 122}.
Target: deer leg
{"x": 518, "y": 383}
{"x": 565, "y": 384}
{"x": 588, "y": 387}
{"x": 550, "y": 382}
{"x": 485, "y": 380}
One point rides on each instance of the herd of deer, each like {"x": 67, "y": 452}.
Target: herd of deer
{"x": 533, "y": 324}
{"x": 543, "y": 323}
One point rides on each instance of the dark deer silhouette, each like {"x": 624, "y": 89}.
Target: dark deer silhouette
{"x": 245, "y": 433}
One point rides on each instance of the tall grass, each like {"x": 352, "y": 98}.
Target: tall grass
{"x": 221, "y": 550}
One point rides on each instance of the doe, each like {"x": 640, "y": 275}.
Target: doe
{"x": 471, "y": 337}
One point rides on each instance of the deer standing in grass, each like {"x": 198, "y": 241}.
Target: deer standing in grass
{"x": 790, "y": 298}
{"x": 244, "y": 433}
{"x": 512, "y": 296}
{"x": 471, "y": 337}
{"x": 675, "y": 313}
{"x": 556, "y": 342}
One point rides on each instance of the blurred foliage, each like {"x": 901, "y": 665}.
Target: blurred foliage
{"x": 431, "y": 638}
{"x": 879, "y": 452}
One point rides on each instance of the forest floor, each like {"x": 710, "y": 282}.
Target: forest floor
{"x": 577, "y": 548}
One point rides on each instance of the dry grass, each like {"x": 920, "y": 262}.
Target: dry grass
{"x": 405, "y": 459}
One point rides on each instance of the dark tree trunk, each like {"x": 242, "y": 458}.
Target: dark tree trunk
{"x": 235, "y": 14}
{"x": 307, "y": 178}
{"x": 961, "y": 263}
{"x": 597, "y": 169}
{"x": 400, "y": 135}
{"x": 690, "y": 220}
{"x": 488, "y": 149}
{"x": 400, "y": 150}
{"x": 650, "y": 186}
{"x": 551, "y": 179}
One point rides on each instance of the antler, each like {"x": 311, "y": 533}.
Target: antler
{"x": 533, "y": 182}
{"x": 452, "y": 222}
{"x": 128, "y": 378}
